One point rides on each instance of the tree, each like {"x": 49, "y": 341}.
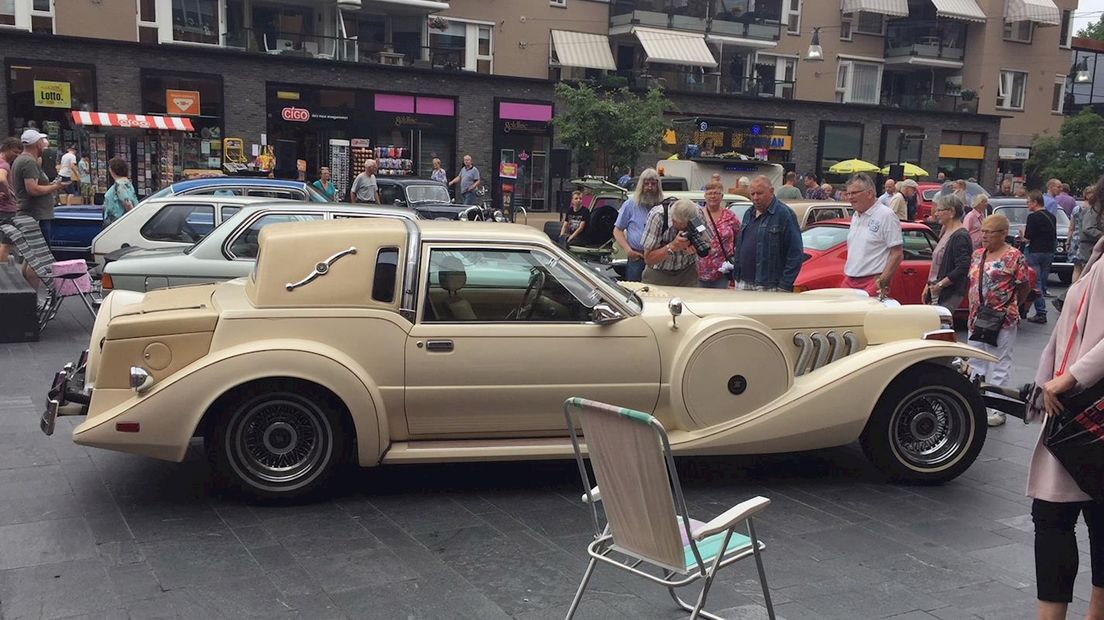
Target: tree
{"x": 1093, "y": 31}
{"x": 609, "y": 128}
{"x": 1075, "y": 155}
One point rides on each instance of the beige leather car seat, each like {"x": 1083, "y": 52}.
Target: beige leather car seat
{"x": 452, "y": 278}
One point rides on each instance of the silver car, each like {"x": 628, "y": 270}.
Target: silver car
{"x": 229, "y": 251}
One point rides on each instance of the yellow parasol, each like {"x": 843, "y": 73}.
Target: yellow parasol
{"x": 911, "y": 170}
{"x": 852, "y": 166}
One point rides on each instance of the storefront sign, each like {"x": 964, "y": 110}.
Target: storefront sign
{"x": 958, "y": 151}
{"x": 408, "y": 122}
{"x": 52, "y": 94}
{"x": 182, "y": 102}
{"x": 525, "y": 127}
{"x": 1015, "y": 153}
{"x": 507, "y": 171}
{"x": 295, "y": 115}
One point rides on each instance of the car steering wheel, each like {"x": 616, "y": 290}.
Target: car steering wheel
{"x": 524, "y": 311}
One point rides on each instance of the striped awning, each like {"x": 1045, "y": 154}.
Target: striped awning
{"x": 966, "y": 10}
{"x": 675, "y": 48}
{"x": 1042, "y": 12}
{"x": 582, "y": 49}
{"x": 890, "y": 8}
{"x": 133, "y": 121}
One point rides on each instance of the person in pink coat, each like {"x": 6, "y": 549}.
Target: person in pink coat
{"x": 1072, "y": 360}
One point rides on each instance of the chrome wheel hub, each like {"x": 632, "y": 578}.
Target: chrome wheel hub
{"x": 930, "y": 427}
{"x": 279, "y": 440}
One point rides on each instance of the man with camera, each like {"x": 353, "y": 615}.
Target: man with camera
{"x": 770, "y": 252}
{"x": 674, "y": 237}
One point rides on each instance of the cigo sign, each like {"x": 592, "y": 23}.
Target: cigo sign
{"x": 295, "y": 115}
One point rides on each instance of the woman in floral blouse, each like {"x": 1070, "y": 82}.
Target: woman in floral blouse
{"x": 999, "y": 279}
{"x": 713, "y": 270}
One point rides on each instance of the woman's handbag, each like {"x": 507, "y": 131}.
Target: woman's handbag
{"x": 731, "y": 258}
{"x": 1076, "y": 435}
{"x": 988, "y": 322}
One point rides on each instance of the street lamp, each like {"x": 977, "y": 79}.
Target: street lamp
{"x": 1081, "y": 74}
{"x": 816, "y": 52}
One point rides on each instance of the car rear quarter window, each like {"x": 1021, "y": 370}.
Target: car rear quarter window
{"x": 228, "y": 212}
{"x": 279, "y": 194}
{"x": 180, "y": 223}
{"x": 821, "y": 238}
{"x": 246, "y": 242}
{"x": 386, "y": 274}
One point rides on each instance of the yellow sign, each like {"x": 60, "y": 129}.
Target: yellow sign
{"x": 52, "y": 94}
{"x": 957, "y": 151}
{"x": 288, "y": 95}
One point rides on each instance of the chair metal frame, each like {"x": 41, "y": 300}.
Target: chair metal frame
{"x": 23, "y": 232}
{"x": 603, "y": 545}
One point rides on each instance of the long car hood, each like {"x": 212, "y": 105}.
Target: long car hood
{"x": 79, "y": 212}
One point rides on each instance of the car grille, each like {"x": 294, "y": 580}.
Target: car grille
{"x": 818, "y": 349}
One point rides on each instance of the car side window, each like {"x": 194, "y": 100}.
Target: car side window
{"x": 390, "y": 193}
{"x": 279, "y": 194}
{"x": 180, "y": 223}
{"x": 386, "y": 274}
{"x": 228, "y": 212}
{"x": 499, "y": 285}
{"x": 917, "y": 245}
{"x": 246, "y": 243}
{"x": 217, "y": 191}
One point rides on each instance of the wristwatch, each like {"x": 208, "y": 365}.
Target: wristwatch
{"x": 670, "y": 252}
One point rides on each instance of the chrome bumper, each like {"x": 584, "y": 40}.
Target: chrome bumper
{"x": 68, "y": 394}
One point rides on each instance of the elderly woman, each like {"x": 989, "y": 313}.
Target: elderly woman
{"x": 1090, "y": 227}
{"x": 670, "y": 257}
{"x": 950, "y": 266}
{"x": 1073, "y": 360}
{"x": 714, "y": 270}
{"x": 999, "y": 280}
{"x": 973, "y": 219}
{"x": 325, "y": 185}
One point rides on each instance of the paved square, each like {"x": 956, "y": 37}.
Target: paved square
{"x": 94, "y": 534}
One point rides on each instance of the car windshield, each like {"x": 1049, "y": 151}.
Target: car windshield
{"x": 1017, "y": 217}
{"x": 821, "y": 238}
{"x": 628, "y": 296}
{"x": 430, "y": 192}
{"x": 161, "y": 193}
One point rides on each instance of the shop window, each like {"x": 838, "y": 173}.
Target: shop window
{"x": 961, "y": 168}
{"x": 1011, "y": 88}
{"x": 1019, "y": 32}
{"x": 1058, "y": 98}
{"x": 858, "y": 82}
{"x": 839, "y": 141}
{"x": 196, "y": 21}
{"x": 463, "y": 45}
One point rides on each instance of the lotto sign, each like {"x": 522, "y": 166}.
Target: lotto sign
{"x": 183, "y": 102}
{"x": 295, "y": 115}
{"x": 52, "y": 94}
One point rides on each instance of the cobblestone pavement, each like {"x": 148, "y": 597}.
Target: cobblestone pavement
{"x": 94, "y": 534}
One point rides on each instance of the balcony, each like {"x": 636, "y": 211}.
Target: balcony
{"x": 675, "y": 80}
{"x": 344, "y": 49}
{"x": 932, "y": 103}
{"x": 741, "y": 19}
{"x": 926, "y": 43}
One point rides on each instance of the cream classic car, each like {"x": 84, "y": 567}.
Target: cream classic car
{"x": 398, "y": 341}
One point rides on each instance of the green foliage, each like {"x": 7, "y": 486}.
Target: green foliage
{"x": 1093, "y": 31}
{"x": 613, "y": 126}
{"x": 1076, "y": 155}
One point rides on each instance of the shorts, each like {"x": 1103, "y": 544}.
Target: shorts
{"x": 87, "y": 193}
{"x": 6, "y": 218}
{"x": 73, "y": 189}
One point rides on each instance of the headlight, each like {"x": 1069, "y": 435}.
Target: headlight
{"x": 498, "y": 217}
{"x": 1061, "y": 249}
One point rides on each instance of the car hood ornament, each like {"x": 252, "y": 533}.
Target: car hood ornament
{"x": 320, "y": 269}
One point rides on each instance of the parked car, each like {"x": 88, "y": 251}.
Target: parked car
{"x": 74, "y": 227}
{"x": 429, "y": 198}
{"x": 170, "y": 222}
{"x": 809, "y": 212}
{"x": 230, "y": 250}
{"x": 1015, "y": 209}
{"x": 925, "y": 199}
{"x": 393, "y": 341}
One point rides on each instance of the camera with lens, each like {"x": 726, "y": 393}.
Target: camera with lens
{"x": 695, "y": 233}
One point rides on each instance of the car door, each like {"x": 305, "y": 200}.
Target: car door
{"x": 478, "y": 363}
{"x": 912, "y": 276}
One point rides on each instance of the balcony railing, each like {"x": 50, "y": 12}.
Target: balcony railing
{"x": 732, "y": 18}
{"x": 932, "y": 103}
{"x": 682, "y": 81}
{"x": 936, "y": 39}
{"x": 347, "y": 49}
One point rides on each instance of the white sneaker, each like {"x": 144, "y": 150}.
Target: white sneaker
{"x": 996, "y": 418}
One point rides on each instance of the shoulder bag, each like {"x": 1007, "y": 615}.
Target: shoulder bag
{"x": 988, "y": 322}
{"x": 730, "y": 257}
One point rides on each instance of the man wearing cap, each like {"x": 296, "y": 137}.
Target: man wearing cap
{"x": 34, "y": 192}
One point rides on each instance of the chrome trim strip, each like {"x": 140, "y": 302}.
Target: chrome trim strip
{"x": 852, "y": 342}
{"x": 408, "y": 303}
{"x": 806, "y": 354}
{"x": 321, "y": 269}
{"x": 822, "y": 352}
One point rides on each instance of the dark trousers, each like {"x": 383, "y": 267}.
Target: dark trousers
{"x": 1056, "y": 546}
{"x": 1040, "y": 262}
{"x": 634, "y": 270}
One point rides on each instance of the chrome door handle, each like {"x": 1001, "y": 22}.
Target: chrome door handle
{"x": 439, "y": 346}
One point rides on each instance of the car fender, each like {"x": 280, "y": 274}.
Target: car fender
{"x": 827, "y": 407}
{"x": 170, "y": 412}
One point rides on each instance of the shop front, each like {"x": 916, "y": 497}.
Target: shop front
{"x": 1010, "y": 166}
{"x": 411, "y": 131}
{"x": 199, "y": 98}
{"x": 701, "y": 138}
{"x": 962, "y": 155}
{"x": 152, "y": 145}
{"x": 523, "y": 138}
{"x": 43, "y": 96}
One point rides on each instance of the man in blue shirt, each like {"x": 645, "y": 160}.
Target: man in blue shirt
{"x": 1050, "y": 196}
{"x": 628, "y": 230}
{"x": 770, "y": 251}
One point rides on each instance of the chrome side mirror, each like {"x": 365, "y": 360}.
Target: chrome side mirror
{"x": 675, "y": 308}
{"x": 604, "y": 314}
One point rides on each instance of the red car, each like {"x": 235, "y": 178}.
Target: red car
{"x": 826, "y": 251}
{"x": 925, "y": 199}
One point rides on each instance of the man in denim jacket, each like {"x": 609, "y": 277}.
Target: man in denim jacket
{"x": 769, "y": 252}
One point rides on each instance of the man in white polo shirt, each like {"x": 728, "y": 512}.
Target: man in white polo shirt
{"x": 874, "y": 243}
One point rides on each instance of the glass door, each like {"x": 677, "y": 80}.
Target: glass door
{"x": 538, "y": 180}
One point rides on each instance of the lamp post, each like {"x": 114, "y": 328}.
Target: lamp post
{"x": 815, "y": 52}
{"x": 1081, "y": 71}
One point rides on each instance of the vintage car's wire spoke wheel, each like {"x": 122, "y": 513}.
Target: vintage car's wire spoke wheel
{"x": 928, "y": 425}
{"x": 277, "y": 443}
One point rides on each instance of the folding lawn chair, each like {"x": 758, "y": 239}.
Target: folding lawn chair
{"x": 61, "y": 279}
{"x": 646, "y": 518}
